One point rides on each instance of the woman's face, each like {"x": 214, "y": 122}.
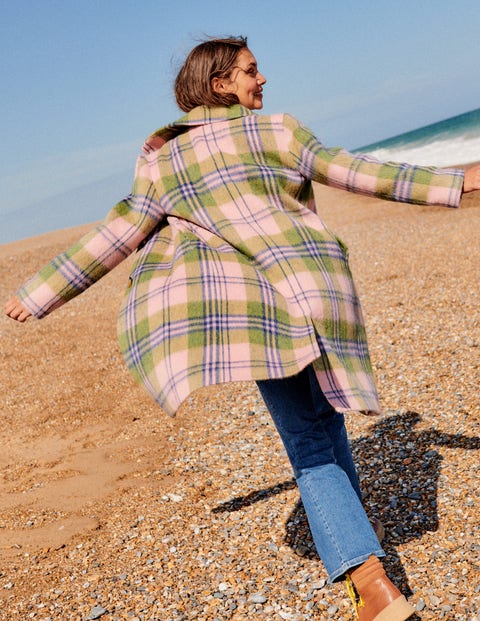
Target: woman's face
{"x": 245, "y": 81}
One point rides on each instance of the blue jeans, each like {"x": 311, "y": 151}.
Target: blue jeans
{"x": 316, "y": 442}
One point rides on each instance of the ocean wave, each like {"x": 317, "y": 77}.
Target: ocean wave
{"x": 450, "y": 152}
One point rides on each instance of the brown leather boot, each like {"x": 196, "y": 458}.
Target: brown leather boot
{"x": 378, "y": 528}
{"x": 374, "y": 597}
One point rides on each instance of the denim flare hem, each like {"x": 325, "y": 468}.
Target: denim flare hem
{"x": 339, "y": 574}
{"x": 341, "y": 530}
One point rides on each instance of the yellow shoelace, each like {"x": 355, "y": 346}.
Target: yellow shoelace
{"x": 354, "y": 596}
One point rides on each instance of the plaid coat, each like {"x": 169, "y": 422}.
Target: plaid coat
{"x": 237, "y": 277}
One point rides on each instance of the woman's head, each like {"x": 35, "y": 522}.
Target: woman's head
{"x": 219, "y": 72}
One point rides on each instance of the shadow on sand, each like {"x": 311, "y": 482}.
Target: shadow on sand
{"x": 399, "y": 470}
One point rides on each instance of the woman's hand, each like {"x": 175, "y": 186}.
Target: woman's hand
{"x": 16, "y": 310}
{"x": 471, "y": 180}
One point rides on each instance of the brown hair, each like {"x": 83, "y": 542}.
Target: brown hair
{"x": 213, "y": 58}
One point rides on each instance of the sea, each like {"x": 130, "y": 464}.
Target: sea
{"x": 453, "y": 141}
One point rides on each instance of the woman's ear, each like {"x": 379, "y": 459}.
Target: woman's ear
{"x": 222, "y": 86}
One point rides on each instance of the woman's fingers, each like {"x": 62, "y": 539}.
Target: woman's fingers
{"x": 16, "y": 310}
{"x": 471, "y": 180}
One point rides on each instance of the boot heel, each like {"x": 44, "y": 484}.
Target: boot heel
{"x": 398, "y": 610}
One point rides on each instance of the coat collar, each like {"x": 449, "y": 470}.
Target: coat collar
{"x": 201, "y": 115}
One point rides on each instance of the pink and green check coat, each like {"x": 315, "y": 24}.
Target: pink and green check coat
{"x": 237, "y": 277}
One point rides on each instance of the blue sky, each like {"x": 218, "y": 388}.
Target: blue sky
{"x": 84, "y": 81}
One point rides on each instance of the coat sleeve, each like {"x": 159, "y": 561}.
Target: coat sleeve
{"x": 126, "y": 225}
{"x": 366, "y": 175}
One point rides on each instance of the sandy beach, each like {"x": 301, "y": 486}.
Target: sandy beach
{"x": 110, "y": 509}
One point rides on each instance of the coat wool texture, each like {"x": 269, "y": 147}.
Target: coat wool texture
{"x": 237, "y": 277}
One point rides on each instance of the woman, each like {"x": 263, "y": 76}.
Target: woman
{"x": 238, "y": 278}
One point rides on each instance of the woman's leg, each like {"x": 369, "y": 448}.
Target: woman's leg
{"x": 316, "y": 443}
{"x": 334, "y": 425}
{"x": 315, "y": 440}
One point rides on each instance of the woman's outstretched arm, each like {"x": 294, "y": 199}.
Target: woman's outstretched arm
{"x": 364, "y": 174}
{"x": 95, "y": 254}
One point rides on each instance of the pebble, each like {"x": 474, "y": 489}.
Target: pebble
{"x": 96, "y": 612}
{"x": 420, "y": 605}
{"x": 258, "y": 598}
